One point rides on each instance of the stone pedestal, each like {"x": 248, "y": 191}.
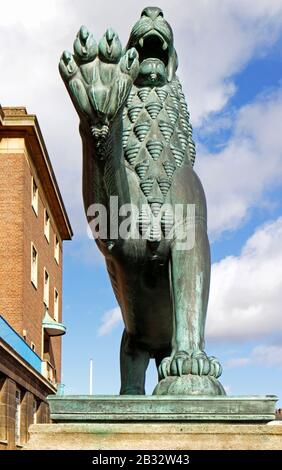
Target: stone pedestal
{"x": 166, "y": 422}
{"x": 152, "y": 436}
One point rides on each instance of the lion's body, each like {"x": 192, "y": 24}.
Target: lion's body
{"x": 159, "y": 153}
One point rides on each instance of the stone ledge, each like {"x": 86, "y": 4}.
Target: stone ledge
{"x": 129, "y": 408}
{"x": 153, "y": 436}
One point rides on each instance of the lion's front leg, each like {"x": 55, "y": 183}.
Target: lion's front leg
{"x": 190, "y": 279}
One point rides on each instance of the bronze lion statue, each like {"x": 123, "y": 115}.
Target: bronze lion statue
{"x": 138, "y": 150}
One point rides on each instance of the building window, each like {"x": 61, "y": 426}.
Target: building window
{"x": 46, "y": 348}
{"x": 18, "y": 417}
{"x": 34, "y": 411}
{"x": 32, "y": 345}
{"x": 34, "y": 196}
{"x": 56, "y": 249}
{"x": 46, "y": 288}
{"x": 56, "y": 305}
{"x": 34, "y": 265}
{"x": 46, "y": 225}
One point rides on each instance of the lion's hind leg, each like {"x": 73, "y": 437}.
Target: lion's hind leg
{"x": 133, "y": 365}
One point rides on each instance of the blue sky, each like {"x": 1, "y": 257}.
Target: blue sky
{"x": 230, "y": 65}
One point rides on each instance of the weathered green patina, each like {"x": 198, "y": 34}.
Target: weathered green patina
{"x": 107, "y": 409}
{"x": 138, "y": 146}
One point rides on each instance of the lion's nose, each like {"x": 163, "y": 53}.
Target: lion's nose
{"x": 152, "y": 12}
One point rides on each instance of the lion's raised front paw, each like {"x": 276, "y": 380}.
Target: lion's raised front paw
{"x": 98, "y": 77}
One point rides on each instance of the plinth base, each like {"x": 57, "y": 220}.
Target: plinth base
{"x": 152, "y": 436}
{"x": 158, "y": 422}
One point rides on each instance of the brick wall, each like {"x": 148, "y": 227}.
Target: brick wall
{"x": 33, "y": 298}
{"x": 20, "y": 302}
{"x": 11, "y": 237}
{"x": 22, "y": 156}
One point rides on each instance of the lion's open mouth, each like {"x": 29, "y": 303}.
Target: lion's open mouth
{"x": 153, "y": 45}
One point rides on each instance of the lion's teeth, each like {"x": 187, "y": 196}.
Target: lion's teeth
{"x": 141, "y": 42}
{"x": 165, "y": 46}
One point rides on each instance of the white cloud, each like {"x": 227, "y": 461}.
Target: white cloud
{"x": 260, "y": 355}
{"x": 236, "y": 177}
{"x": 85, "y": 251}
{"x": 267, "y": 355}
{"x": 246, "y": 291}
{"x": 237, "y": 362}
{"x": 31, "y": 14}
{"x": 220, "y": 38}
{"x": 110, "y": 319}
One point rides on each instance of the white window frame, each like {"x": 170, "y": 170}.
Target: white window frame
{"x": 34, "y": 195}
{"x": 34, "y": 411}
{"x": 32, "y": 345}
{"x": 18, "y": 417}
{"x": 57, "y": 249}
{"x": 56, "y": 304}
{"x": 46, "y": 225}
{"x": 46, "y": 290}
{"x": 34, "y": 267}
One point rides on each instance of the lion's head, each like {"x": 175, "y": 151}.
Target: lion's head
{"x": 153, "y": 38}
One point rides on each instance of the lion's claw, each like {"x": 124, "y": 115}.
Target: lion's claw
{"x": 195, "y": 368}
{"x": 173, "y": 366}
{"x": 183, "y": 363}
{"x": 129, "y": 63}
{"x": 200, "y": 366}
{"x": 110, "y": 47}
{"x": 85, "y": 46}
{"x": 67, "y": 65}
{"x": 179, "y": 365}
{"x": 198, "y": 363}
{"x": 216, "y": 367}
{"x": 163, "y": 368}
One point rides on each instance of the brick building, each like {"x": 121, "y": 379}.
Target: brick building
{"x": 33, "y": 225}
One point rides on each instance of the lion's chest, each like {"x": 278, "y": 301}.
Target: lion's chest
{"x": 157, "y": 142}
{"x": 157, "y": 137}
